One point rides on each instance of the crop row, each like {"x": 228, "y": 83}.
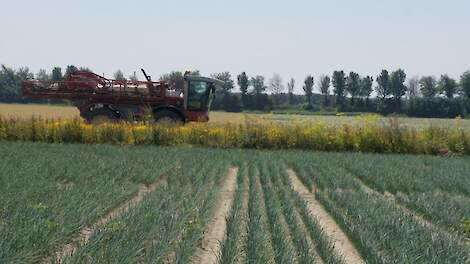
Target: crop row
{"x": 50, "y": 192}
{"x": 47, "y": 193}
{"x": 167, "y": 226}
{"x": 369, "y": 136}
{"x": 437, "y": 188}
{"x": 276, "y": 225}
{"x": 72, "y": 186}
{"x": 380, "y": 228}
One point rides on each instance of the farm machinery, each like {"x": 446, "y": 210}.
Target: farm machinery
{"x": 105, "y": 100}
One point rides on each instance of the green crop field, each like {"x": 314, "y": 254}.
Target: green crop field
{"x": 284, "y": 207}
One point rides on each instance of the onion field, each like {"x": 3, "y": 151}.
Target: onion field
{"x": 72, "y": 203}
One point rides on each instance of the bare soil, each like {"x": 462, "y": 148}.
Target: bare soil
{"x": 216, "y": 228}
{"x": 342, "y": 245}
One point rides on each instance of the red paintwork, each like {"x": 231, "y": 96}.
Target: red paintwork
{"x": 86, "y": 88}
{"x": 197, "y": 116}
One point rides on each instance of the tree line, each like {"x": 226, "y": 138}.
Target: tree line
{"x": 388, "y": 92}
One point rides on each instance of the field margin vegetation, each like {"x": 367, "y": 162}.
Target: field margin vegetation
{"x": 368, "y": 135}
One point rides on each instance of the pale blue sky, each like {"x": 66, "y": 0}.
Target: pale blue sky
{"x": 292, "y": 38}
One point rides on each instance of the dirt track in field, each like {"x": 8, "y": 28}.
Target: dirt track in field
{"x": 214, "y": 234}
{"x": 341, "y": 242}
{"x": 85, "y": 233}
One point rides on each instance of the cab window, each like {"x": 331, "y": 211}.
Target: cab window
{"x": 198, "y": 95}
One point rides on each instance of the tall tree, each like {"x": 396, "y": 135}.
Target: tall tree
{"x": 339, "y": 87}
{"x": 57, "y": 74}
{"x": 260, "y": 99}
{"x": 257, "y": 83}
{"x": 290, "y": 90}
{"x": 230, "y": 102}
{"x": 192, "y": 73}
{"x": 43, "y": 75}
{"x": 10, "y": 80}
{"x": 383, "y": 85}
{"x": 413, "y": 87}
{"x": 85, "y": 69}
{"x": 465, "y": 84}
{"x": 243, "y": 82}
{"x": 119, "y": 76}
{"x": 366, "y": 87}
{"x": 174, "y": 79}
{"x": 428, "y": 86}
{"x": 447, "y": 86}
{"x": 308, "y": 89}
{"x": 276, "y": 87}
{"x": 226, "y": 77}
{"x": 353, "y": 85}
{"x": 325, "y": 88}
{"x": 397, "y": 86}
{"x": 70, "y": 69}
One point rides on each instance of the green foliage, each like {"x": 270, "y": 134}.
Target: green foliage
{"x": 43, "y": 75}
{"x": 308, "y": 89}
{"x": 382, "y": 231}
{"x": 119, "y": 76}
{"x": 466, "y": 227}
{"x": 413, "y": 87}
{"x": 226, "y": 77}
{"x": 339, "y": 85}
{"x": 397, "y": 84}
{"x": 258, "y": 84}
{"x": 259, "y": 100}
{"x": 325, "y": 88}
{"x": 10, "y": 80}
{"x": 276, "y": 87}
{"x": 353, "y": 85}
{"x": 447, "y": 86}
{"x": 436, "y": 107}
{"x": 171, "y": 220}
{"x": 70, "y": 69}
{"x": 383, "y": 88}
{"x": 428, "y": 86}
{"x": 258, "y": 248}
{"x": 57, "y": 74}
{"x": 290, "y": 90}
{"x": 49, "y": 191}
{"x": 174, "y": 79}
{"x": 465, "y": 84}
{"x": 232, "y": 247}
{"x": 85, "y": 69}
{"x": 366, "y": 86}
{"x": 368, "y": 135}
{"x": 243, "y": 82}
{"x": 231, "y": 103}
{"x": 256, "y": 98}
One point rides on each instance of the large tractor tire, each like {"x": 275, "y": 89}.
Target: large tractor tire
{"x": 101, "y": 115}
{"x": 168, "y": 117}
